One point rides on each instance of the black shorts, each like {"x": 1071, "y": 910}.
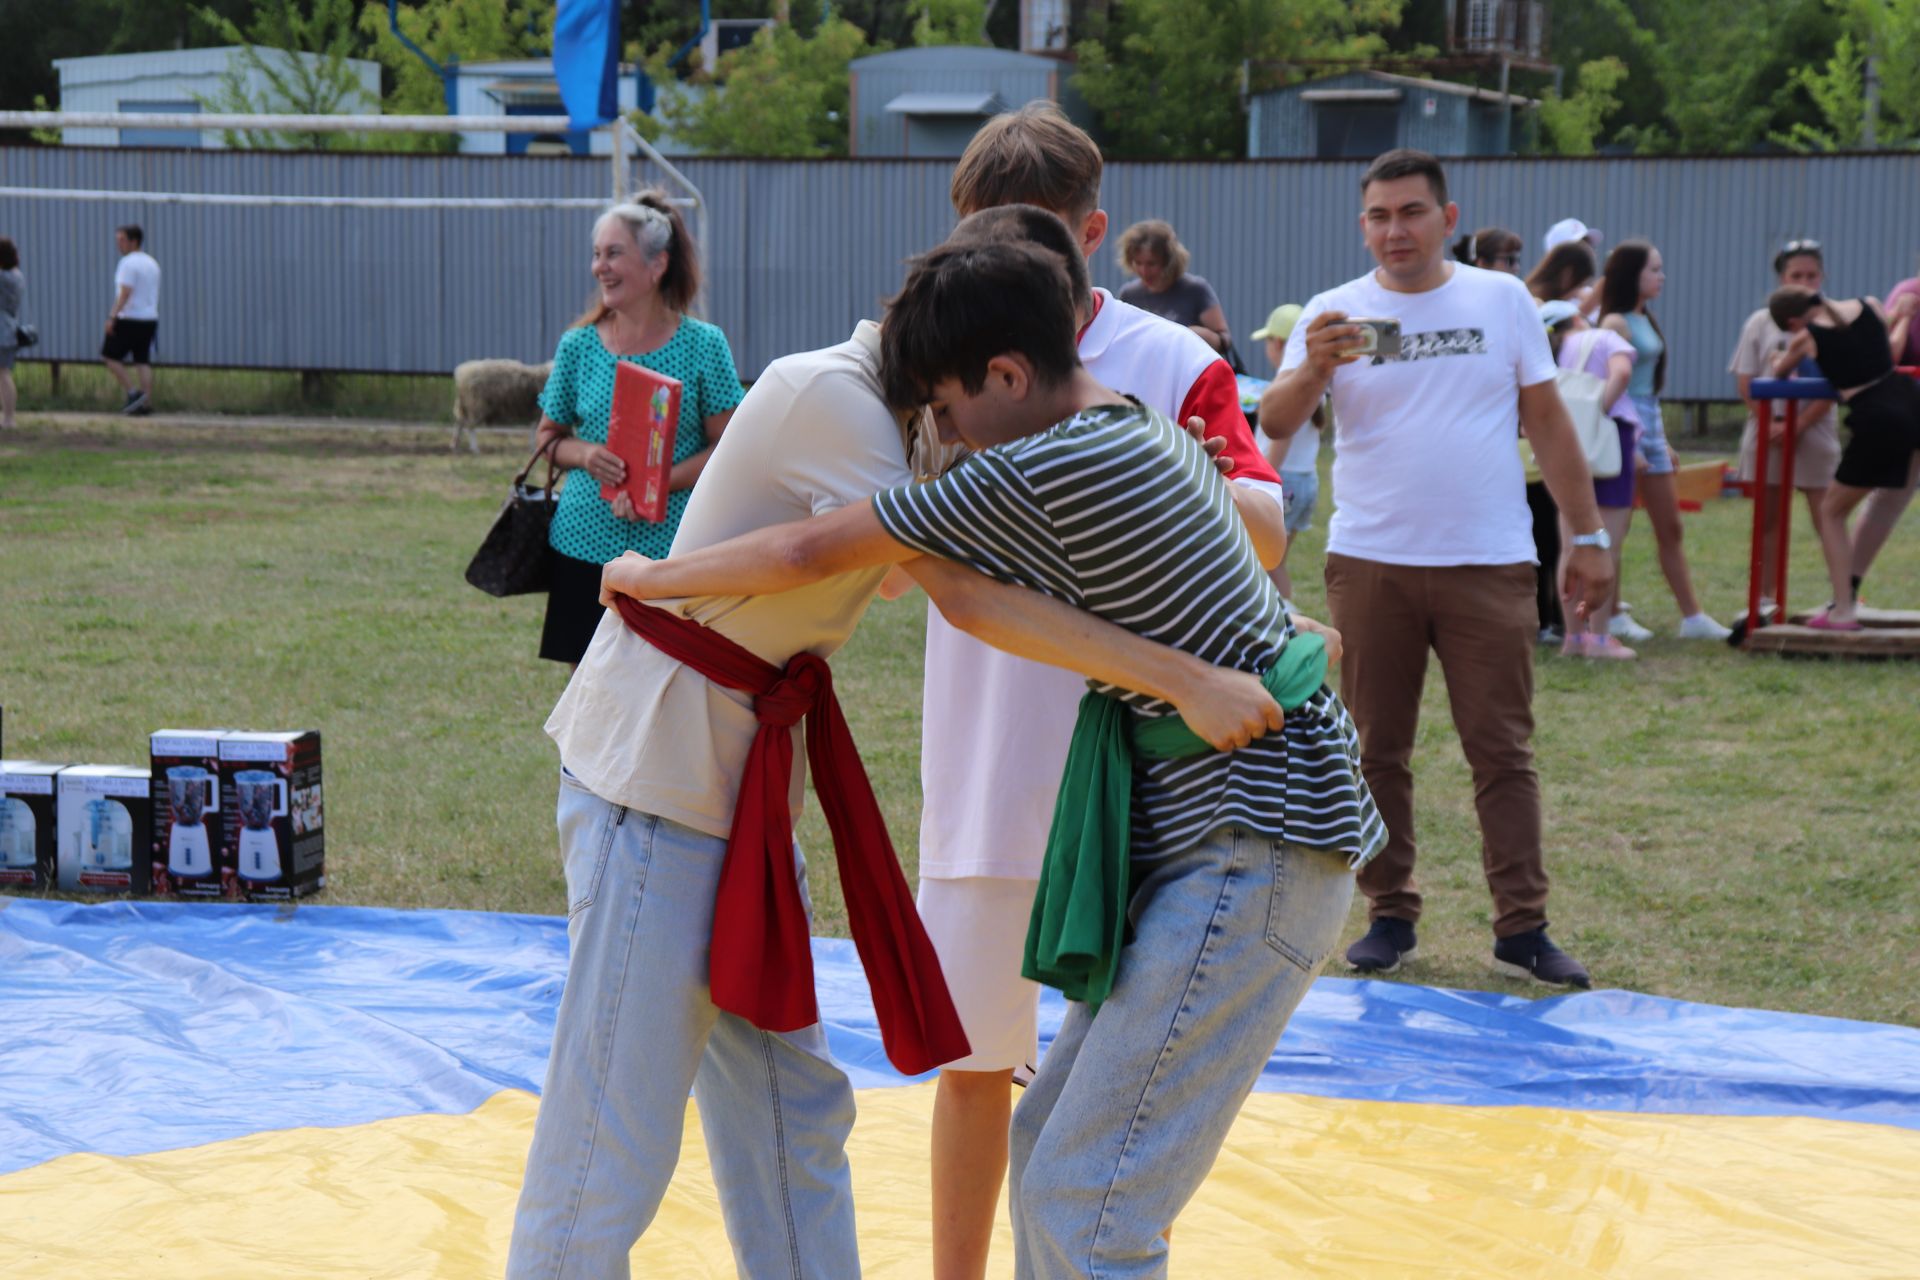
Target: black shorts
{"x": 130, "y": 341}
{"x": 1883, "y": 430}
{"x": 573, "y": 609}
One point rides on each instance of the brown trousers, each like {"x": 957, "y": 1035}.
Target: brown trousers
{"x": 1482, "y": 622}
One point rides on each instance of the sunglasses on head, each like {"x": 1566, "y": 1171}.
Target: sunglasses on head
{"x": 1800, "y": 246}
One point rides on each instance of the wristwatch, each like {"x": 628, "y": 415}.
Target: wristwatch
{"x": 1598, "y": 538}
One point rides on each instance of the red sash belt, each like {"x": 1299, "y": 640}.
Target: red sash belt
{"x": 762, "y": 962}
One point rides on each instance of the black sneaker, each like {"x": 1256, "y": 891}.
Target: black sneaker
{"x": 136, "y": 403}
{"x": 1388, "y": 942}
{"x": 1533, "y": 955}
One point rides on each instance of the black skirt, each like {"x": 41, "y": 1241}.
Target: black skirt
{"x": 573, "y": 609}
{"x": 1883, "y": 430}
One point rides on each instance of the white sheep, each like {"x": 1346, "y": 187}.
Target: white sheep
{"x": 495, "y": 393}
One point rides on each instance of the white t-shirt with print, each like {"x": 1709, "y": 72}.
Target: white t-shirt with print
{"x": 638, "y": 728}
{"x": 140, "y": 275}
{"x": 1426, "y": 469}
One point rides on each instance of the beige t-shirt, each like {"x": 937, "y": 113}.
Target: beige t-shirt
{"x": 641, "y": 730}
{"x": 1816, "y": 442}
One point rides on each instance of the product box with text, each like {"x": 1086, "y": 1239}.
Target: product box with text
{"x": 190, "y": 851}
{"x": 29, "y": 824}
{"x": 275, "y": 817}
{"x": 105, "y": 818}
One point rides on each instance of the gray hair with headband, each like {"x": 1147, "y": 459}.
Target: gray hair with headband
{"x": 650, "y": 228}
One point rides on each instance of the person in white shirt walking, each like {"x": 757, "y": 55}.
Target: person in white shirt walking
{"x": 1431, "y": 545}
{"x": 134, "y": 319}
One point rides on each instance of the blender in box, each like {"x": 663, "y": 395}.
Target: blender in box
{"x": 17, "y": 832}
{"x": 261, "y": 797}
{"x": 107, "y": 842}
{"x": 191, "y": 794}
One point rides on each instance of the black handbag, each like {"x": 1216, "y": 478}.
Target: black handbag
{"x": 25, "y": 335}
{"x": 513, "y": 559}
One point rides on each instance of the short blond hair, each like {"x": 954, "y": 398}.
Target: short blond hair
{"x": 1031, "y": 156}
{"x": 1159, "y": 237}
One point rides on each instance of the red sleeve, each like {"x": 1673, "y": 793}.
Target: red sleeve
{"x": 1215, "y": 398}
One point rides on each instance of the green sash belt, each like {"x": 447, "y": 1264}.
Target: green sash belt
{"x": 1079, "y": 919}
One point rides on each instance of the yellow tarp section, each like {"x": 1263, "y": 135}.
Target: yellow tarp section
{"x": 1306, "y": 1187}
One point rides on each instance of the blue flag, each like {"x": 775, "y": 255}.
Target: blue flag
{"x": 586, "y": 59}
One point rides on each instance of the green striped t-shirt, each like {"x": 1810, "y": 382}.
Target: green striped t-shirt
{"x": 1120, "y": 513}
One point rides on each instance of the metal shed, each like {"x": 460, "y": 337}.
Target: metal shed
{"x": 173, "y": 82}
{"x": 930, "y": 102}
{"x": 1363, "y": 113}
{"x": 526, "y": 86}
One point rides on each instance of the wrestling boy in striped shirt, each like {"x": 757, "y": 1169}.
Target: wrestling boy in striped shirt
{"x": 1227, "y": 876}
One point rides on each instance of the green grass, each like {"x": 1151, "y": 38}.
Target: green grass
{"x": 1720, "y": 827}
{"x": 398, "y": 397}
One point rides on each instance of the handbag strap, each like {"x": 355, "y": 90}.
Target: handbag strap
{"x": 550, "y": 448}
{"x": 1584, "y": 352}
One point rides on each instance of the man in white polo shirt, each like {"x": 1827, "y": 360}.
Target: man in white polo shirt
{"x": 1431, "y": 544}
{"x": 134, "y": 319}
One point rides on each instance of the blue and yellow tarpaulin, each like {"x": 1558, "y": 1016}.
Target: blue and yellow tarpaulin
{"x": 216, "y": 1090}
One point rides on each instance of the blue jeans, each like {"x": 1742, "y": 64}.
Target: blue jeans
{"x": 1121, "y": 1125}
{"x": 636, "y": 1029}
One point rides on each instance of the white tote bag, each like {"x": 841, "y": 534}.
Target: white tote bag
{"x": 1581, "y": 392}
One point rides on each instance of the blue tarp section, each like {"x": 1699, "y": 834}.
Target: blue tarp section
{"x": 138, "y": 1027}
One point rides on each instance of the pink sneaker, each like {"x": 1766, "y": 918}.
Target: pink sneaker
{"x": 1610, "y": 648}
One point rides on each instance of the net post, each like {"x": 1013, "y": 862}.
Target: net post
{"x": 1763, "y": 426}
{"x": 1786, "y": 506}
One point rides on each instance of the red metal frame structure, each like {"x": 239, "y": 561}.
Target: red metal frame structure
{"x": 1764, "y": 392}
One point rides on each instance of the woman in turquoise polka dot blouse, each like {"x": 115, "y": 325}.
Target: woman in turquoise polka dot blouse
{"x": 648, "y": 272}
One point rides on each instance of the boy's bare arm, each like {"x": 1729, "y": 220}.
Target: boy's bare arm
{"x": 765, "y": 562}
{"x": 1224, "y": 707}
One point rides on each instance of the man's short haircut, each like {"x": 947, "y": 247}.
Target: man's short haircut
{"x": 1031, "y": 156}
{"x": 133, "y": 232}
{"x": 969, "y": 301}
{"x": 1405, "y": 162}
{"x": 9, "y": 254}
{"x": 1034, "y": 225}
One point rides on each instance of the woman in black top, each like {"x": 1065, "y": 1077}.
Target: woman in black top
{"x": 1850, "y": 342}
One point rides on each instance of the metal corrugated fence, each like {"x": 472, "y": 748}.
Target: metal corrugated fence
{"x": 799, "y": 250}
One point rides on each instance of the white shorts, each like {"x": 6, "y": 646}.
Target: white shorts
{"x": 978, "y": 925}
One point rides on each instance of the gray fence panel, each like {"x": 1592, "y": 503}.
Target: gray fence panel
{"x": 797, "y": 251}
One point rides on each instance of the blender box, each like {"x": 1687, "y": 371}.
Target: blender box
{"x": 28, "y": 824}
{"x": 275, "y": 817}
{"x": 191, "y": 856}
{"x": 105, "y": 813}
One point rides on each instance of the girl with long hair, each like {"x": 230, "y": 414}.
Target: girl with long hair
{"x": 1633, "y": 278}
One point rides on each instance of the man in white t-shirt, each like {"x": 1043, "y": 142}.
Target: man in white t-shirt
{"x": 134, "y": 319}
{"x": 995, "y": 726}
{"x": 1430, "y": 545}
{"x": 652, "y": 755}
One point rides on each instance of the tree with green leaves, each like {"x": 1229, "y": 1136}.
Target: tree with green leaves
{"x": 300, "y": 59}
{"x": 1166, "y": 78}
{"x": 784, "y": 94}
{"x": 1571, "y": 125}
{"x": 938, "y": 22}
{"x": 1881, "y": 46}
{"x": 449, "y": 31}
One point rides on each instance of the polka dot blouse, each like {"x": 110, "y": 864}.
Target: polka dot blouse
{"x": 579, "y": 394}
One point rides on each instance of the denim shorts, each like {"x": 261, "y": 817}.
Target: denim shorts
{"x": 1653, "y": 448}
{"x": 1302, "y": 491}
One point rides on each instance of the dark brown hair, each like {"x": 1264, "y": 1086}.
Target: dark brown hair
{"x": 9, "y": 254}
{"x": 1158, "y": 238}
{"x": 1790, "y": 302}
{"x": 681, "y": 283}
{"x": 133, "y": 232}
{"x": 969, "y": 301}
{"x": 1034, "y": 225}
{"x": 1405, "y": 162}
{"x": 1031, "y": 156}
{"x": 1620, "y": 294}
{"x": 1564, "y": 268}
{"x": 1486, "y": 244}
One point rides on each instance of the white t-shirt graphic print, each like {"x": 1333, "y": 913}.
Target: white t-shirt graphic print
{"x": 1426, "y": 468}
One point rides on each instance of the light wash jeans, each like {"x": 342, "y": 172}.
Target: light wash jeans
{"x": 1121, "y": 1125}
{"x": 636, "y": 1029}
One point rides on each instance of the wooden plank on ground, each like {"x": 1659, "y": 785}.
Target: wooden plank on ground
{"x": 1869, "y": 642}
{"x": 1899, "y": 618}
